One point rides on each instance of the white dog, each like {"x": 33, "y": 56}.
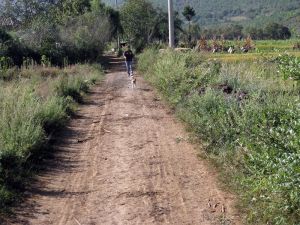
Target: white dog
{"x": 133, "y": 81}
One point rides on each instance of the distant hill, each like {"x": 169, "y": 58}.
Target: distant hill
{"x": 246, "y": 12}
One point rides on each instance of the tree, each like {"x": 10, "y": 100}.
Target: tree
{"x": 161, "y": 30}
{"x": 189, "y": 13}
{"x": 195, "y": 32}
{"x": 139, "y": 20}
{"x": 233, "y": 31}
{"x": 88, "y": 33}
{"x": 255, "y": 33}
{"x": 277, "y": 31}
{"x": 75, "y": 7}
{"x": 21, "y": 12}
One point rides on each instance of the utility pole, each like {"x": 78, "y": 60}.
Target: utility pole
{"x": 171, "y": 24}
{"x": 118, "y": 36}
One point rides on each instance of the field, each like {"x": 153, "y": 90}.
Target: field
{"x": 246, "y": 114}
{"x": 263, "y": 49}
{"x": 34, "y": 102}
{"x": 251, "y": 57}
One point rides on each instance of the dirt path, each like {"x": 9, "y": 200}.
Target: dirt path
{"x": 125, "y": 160}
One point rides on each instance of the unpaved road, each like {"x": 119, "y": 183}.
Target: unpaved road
{"x": 125, "y": 160}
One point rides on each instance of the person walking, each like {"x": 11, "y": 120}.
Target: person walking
{"x": 128, "y": 56}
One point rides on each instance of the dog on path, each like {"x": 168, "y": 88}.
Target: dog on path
{"x": 132, "y": 80}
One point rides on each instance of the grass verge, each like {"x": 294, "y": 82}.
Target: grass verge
{"x": 248, "y": 119}
{"x": 34, "y": 103}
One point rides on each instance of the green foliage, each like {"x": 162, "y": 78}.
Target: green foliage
{"x": 248, "y": 120}
{"x": 188, "y": 12}
{"x": 144, "y": 25}
{"x": 53, "y": 113}
{"x": 247, "y": 13}
{"x": 75, "y": 7}
{"x": 21, "y": 132}
{"x": 59, "y": 30}
{"x": 31, "y": 109}
{"x": 138, "y": 18}
{"x": 71, "y": 86}
{"x": 12, "y": 52}
{"x": 289, "y": 66}
{"x": 21, "y": 12}
{"x": 75, "y": 31}
{"x": 277, "y": 31}
{"x": 5, "y": 64}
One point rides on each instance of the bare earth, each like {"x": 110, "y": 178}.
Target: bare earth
{"x": 125, "y": 160}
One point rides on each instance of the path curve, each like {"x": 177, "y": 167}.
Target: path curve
{"x": 123, "y": 160}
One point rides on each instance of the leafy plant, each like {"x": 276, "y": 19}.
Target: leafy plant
{"x": 289, "y": 67}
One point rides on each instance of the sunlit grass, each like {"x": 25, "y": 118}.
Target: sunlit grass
{"x": 247, "y": 117}
{"x": 243, "y": 57}
{"x": 35, "y": 102}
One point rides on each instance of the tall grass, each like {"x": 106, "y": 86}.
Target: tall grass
{"x": 30, "y": 109}
{"x": 248, "y": 119}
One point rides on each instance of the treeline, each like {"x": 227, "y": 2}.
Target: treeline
{"x": 145, "y": 25}
{"x": 248, "y": 13}
{"x": 68, "y": 32}
{"x": 272, "y": 31}
{"x": 55, "y": 32}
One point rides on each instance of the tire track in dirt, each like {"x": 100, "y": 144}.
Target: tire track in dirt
{"x": 124, "y": 160}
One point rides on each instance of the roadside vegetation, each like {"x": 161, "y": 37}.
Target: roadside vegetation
{"x": 34, "y": 103}
{"x": 247, "y": 115}
{"x": 47, "y": 64}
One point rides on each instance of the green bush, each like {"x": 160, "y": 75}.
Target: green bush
{"x": 70, "y": 86}
{"x": 75, "y": 86}
{"x": 53, "y": 113}
{"x": 290, "y": 67}
{"x": 248, "y": 121}
{"x": 21, "y": 131}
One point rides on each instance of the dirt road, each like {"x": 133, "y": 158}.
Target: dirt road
{"x": 125, "y": 160}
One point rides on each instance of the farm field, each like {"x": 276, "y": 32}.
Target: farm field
{"x": 244, "y": 57}
{"x": 262, "y": 50}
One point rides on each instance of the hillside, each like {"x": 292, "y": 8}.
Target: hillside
{"x": 248, "y": 12}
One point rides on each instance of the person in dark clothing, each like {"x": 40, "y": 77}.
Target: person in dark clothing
{"x": 128, "y": 55}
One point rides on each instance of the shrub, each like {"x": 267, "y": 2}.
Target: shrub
{"x": 21, "y": 131}
{"x": 289, "y": 67}
{"x": 74, "y": 86}
{"x": 53, "y": 113}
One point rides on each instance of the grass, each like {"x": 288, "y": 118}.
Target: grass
{"x": 280, "y": 45}
{"x": 248, "y": 57}
{"x": 34, "y": 102}
{"x": 248, "y": 119}
{"x": 263, "y": 49}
